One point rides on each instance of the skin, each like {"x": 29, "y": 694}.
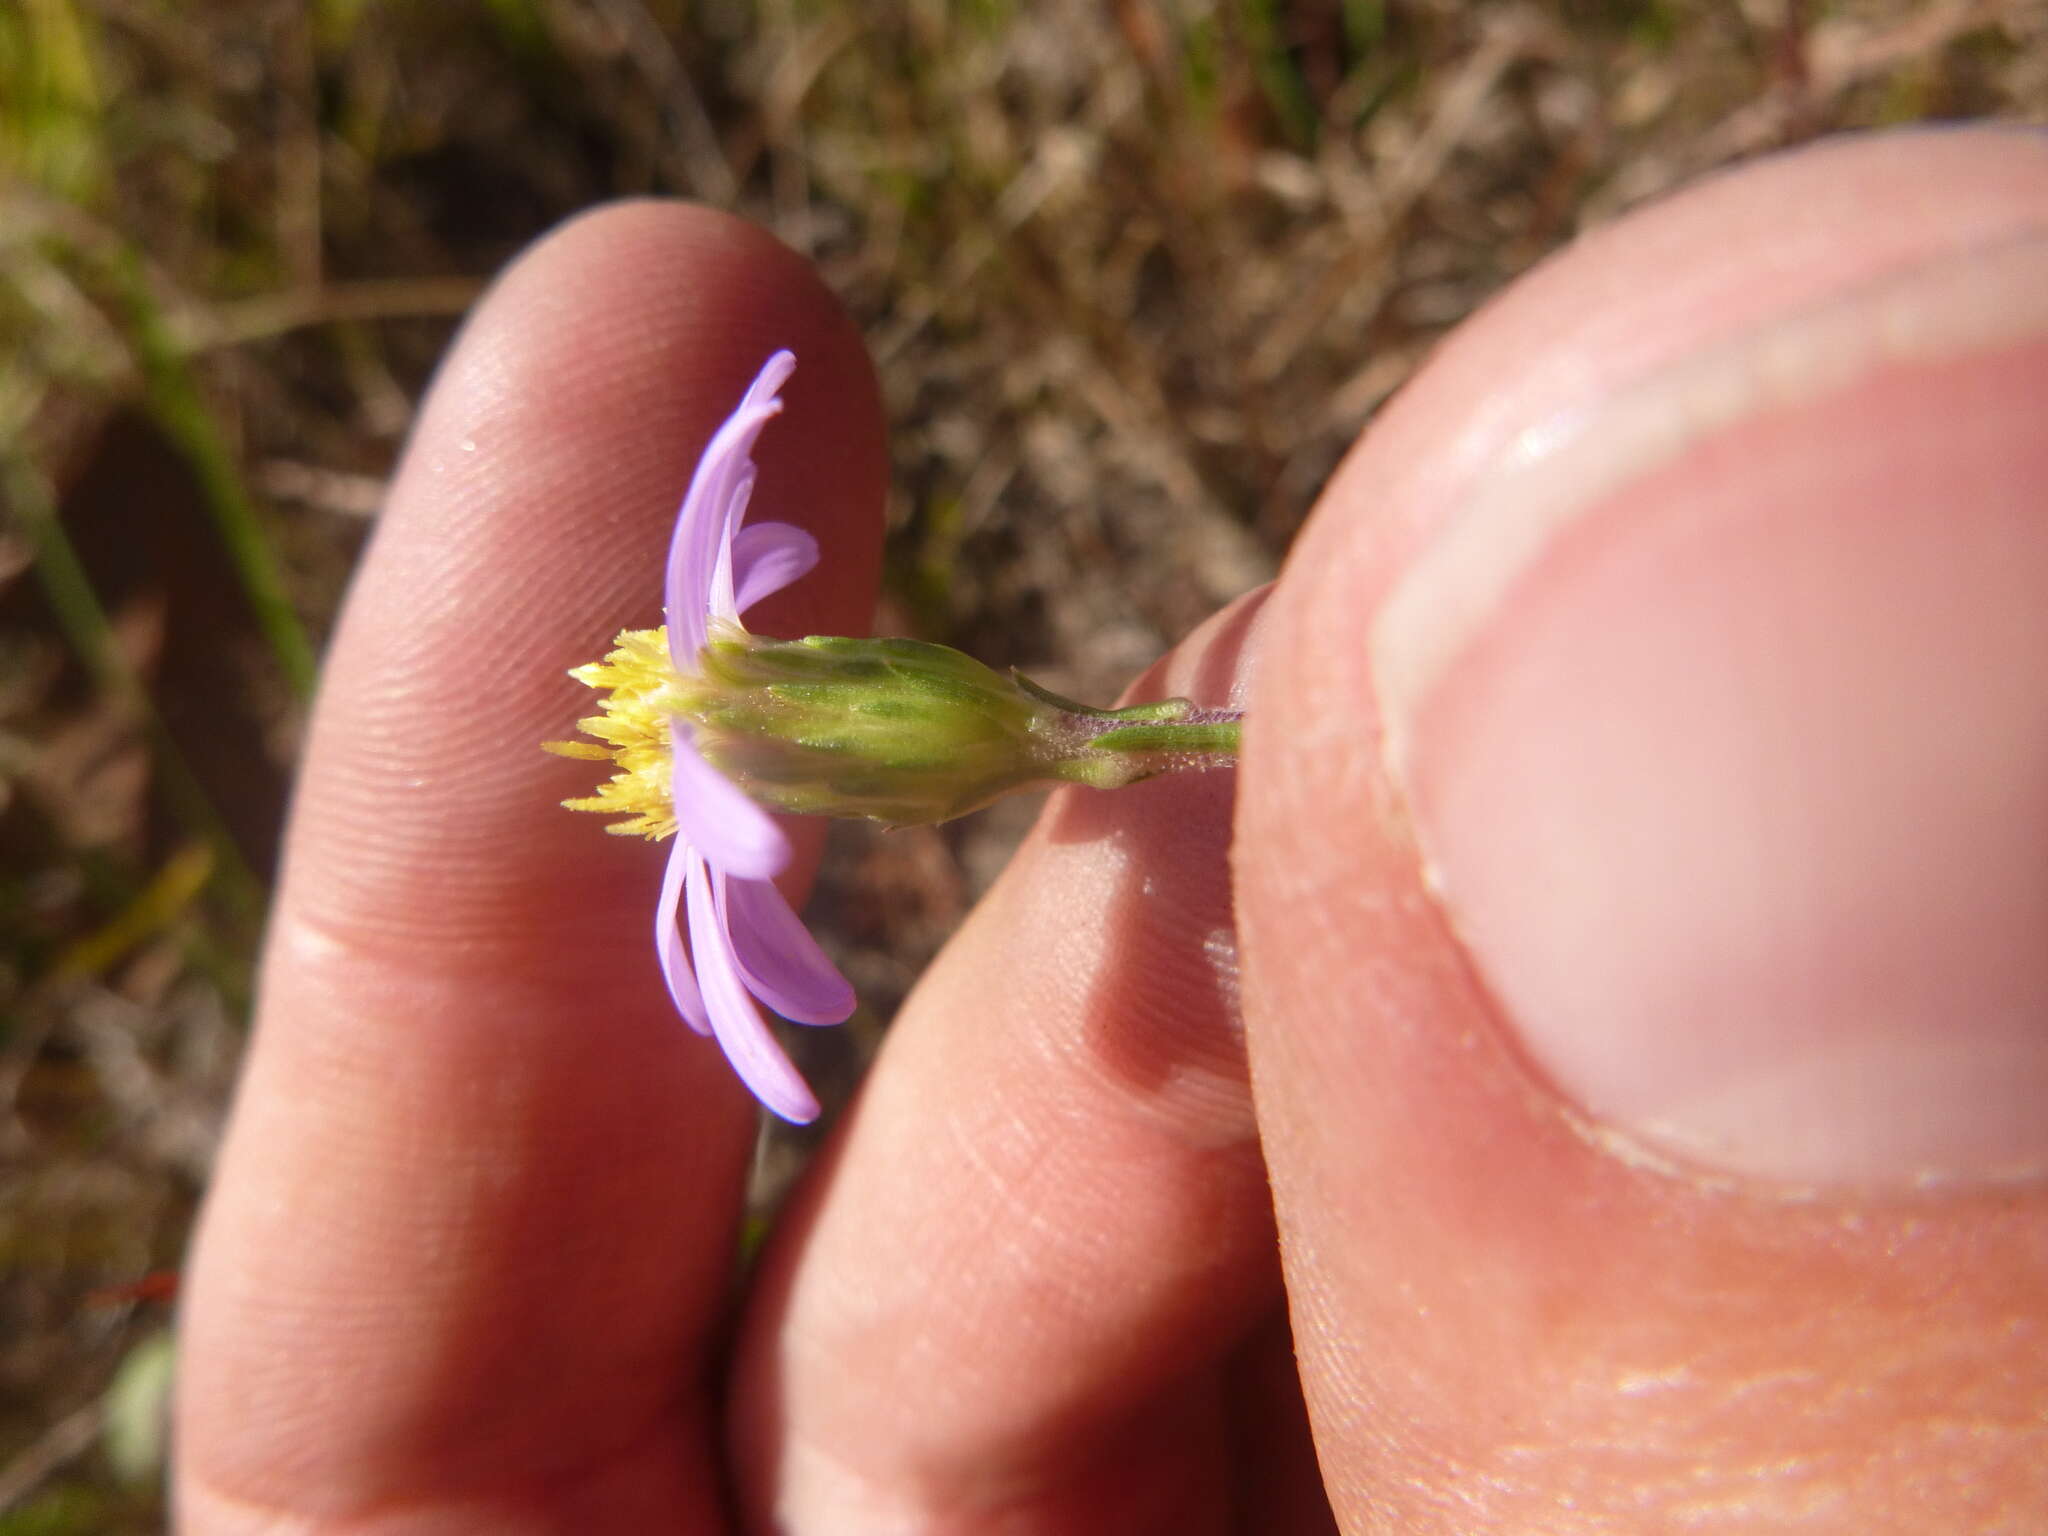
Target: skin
{"x": 465, "y": 1263}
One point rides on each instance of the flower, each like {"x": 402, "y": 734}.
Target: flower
{"x": 706, "y": 725}
{"x": 744, "y": 942}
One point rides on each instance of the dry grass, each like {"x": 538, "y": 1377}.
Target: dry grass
{"x": 1135, "y": 274}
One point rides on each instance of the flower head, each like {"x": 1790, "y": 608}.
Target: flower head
{"x": 744, "y": 943}
{"x": 705, "y": 724}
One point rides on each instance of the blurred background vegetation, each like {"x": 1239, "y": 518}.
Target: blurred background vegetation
{"x": 1134, "y": 271}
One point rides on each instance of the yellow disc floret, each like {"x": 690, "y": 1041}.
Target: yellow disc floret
{"x": 634, "y": 730}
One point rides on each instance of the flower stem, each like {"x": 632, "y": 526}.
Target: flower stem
{"x": 1110, "y": 748}
{"x": 1204, "y": 738}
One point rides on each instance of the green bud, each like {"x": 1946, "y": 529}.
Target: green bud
{"x": 902, "y": 731}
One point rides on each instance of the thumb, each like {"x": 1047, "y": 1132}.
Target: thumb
{"x": 1642, "y": 867}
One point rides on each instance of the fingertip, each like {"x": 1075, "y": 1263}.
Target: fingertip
{"x": 478, "y": 1170}
{"x": 526, "y": 527}
{"x": 1612, "y": 319}
{"x": 1044, "y": 1221}
{"x": 1541, "y": 1306}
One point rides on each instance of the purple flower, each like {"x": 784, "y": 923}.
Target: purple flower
{"x": 744, "y": 942}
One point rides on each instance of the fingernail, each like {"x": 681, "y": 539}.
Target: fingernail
{"x": 1722, "y": 712}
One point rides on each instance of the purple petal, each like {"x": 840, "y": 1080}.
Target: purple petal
{"x": 773, "y": 375}
{"x": 716, "y": 816}
{"x": 711, "y": 509}
{"x": 694, "y": 549}
{"x": 766, "y": 558}
{"x": 668, "y": 939}
{"x": 777, "y": 957}
{"x": 719, "y": 602}
{"x": 734, "y": 1019}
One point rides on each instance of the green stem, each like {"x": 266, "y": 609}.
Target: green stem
{"x": 1199, "y": 738}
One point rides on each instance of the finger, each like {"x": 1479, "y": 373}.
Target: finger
{"x": 476, "y": 1206}
{"x": 1641, "y": 869}
{"x": 1004, "y": 1300}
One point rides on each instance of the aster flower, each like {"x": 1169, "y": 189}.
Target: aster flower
{"x": 745, "y": 944}
{"x": 706, "y": 725}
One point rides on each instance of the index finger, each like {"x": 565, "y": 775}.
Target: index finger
{"x": 476, "y": 1205}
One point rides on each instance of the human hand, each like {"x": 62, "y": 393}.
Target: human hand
{"x": 1753, "y": 876}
